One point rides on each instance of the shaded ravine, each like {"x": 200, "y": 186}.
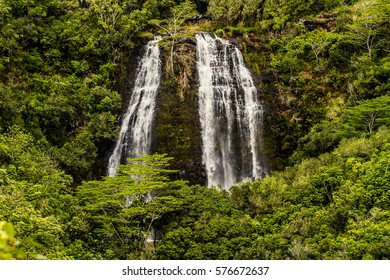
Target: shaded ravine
{"x": 135, "y": 136}
{"x": 231, "y": 116}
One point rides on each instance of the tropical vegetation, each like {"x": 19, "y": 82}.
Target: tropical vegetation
{"x": 322, "y": 69}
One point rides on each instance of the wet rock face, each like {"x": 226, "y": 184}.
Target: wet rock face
{"x": 177, "y": 128}
{"x": 126, "y": 74}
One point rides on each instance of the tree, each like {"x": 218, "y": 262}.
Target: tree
{"x": 371, "y": 23}
{"x": 225, "y": 11}
{"x": 318, "y": 41}
{"x": 34, "y": 194}
{"x": 124, "y": 208}
{"x": 230, "y": 12}
{"x": 178, "y": 15}
{"x": 7, "y": 241}
{"x": 109, "y": 12}
{"x": 369, "y": 114}
{"x": 206, "y": 227}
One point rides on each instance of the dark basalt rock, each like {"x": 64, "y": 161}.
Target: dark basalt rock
{"x": 189, "y": 41}
{"x": 177, "y": 125}
{"x": 196, "y": 18}
{"x": 324, "y": 21}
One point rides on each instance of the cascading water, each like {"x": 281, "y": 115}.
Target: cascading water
{"x": 135, "y": 133}
{"x": 230, "y": 114}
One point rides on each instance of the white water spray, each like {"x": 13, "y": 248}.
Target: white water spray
{"x": 135, "y": 133}
{"x": 231, "y": 116}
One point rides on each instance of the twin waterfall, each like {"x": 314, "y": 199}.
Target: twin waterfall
{"x": 230, "y": 114}
{"x": 135, "y": 134}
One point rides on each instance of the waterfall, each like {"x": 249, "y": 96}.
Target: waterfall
{"x": 231, "y": 116}
{"x": 135, "y": 133}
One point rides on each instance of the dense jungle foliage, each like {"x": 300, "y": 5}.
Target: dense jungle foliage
{"x": 323, "y": 73}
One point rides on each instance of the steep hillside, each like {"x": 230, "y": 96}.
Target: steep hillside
{"x": 67, "y": 71}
